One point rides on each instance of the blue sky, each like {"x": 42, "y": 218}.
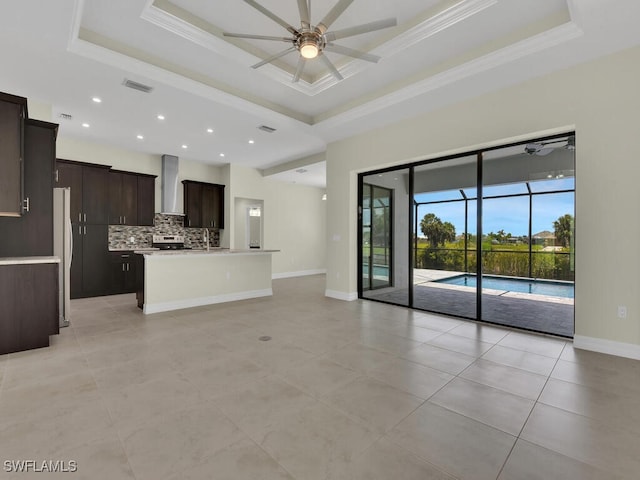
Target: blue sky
{"x": 508, "y": 214}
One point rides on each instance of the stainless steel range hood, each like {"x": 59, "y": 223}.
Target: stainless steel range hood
{"x": 170, "y": 185}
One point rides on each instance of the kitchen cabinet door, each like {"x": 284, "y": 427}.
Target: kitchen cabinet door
{"x": 123, "y": 272}
{"x": 12, "y": 113}
{"x": 95, "y": 260}
{"x": 146, "y": 199}
{"x": 123, "y": 198}
{"x": 192, "y": 204}
{"x": 70, "y": 175}
{"x": 32, "y": 233}
{"x": 95, "y": 195}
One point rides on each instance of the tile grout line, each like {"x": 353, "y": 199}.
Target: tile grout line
{"x": 518, "y": 437}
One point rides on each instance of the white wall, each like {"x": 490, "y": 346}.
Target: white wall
{"x": 294, "y": 220}
{"x": 601, "y": 101}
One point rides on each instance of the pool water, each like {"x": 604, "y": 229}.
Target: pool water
{"x": 539, "y": 287}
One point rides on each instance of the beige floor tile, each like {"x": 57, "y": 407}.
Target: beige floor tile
{"x": 377, "y": 404}
{"x": 407, "y": 330}
{"x": 599, "y": 376}
{"x": 21, "y": 373}
{"x": 584, "y": 439}
{"x": 437, "y": 322}
{"x": 277, "y": 357}
{"x": 120, "y": 375}
{"x": 387, "y": 342}
{"x": 242, "y": 460}
{"x": 510, "y": 379}
{"x": 488, "y": 405}
{"x": 316, "y": 441}
{"x": 216, "y": 378}
{"x": 478, "y": 331}
{"x": 259, "y": 406}
{"x": 519, "y": 359}
{"x": 468, "y": 346}
{"x": 531, "y": 462}
{"x": 141, "y": 403}
{"x": 547, "y": 346}
{"x": 456, "y": 444}
{"x": 385, "y": 460}
{"x": 318, "y": 376}
{"x": 359, "y": 357}
{"x": 411, "y": 377}
{"x": 618, "y": 407}
{"x": 439, "y": 358}
{"x": 100, "y": 459}
{"x": 179, "y": 441}
{"x": 109, "y": 325}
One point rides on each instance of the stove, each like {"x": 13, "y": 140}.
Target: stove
{"x": 169, "y": 242}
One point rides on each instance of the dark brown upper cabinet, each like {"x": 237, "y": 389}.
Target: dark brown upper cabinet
{"x": 13, "y": 111}
{"x": 203, "y": 204}
{"x": 89, "y": 185}
{"x": 131, "y": 198}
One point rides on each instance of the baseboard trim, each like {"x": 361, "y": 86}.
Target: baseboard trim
{"x": 199, "y": 302}
{"x": 300, "y": 273}
{"x": 601, "y": 345}
{"x": 347, "y": 297}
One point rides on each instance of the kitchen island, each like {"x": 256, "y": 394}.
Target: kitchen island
{"x": 175, "y": 279}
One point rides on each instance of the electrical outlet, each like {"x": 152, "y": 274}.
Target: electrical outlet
{"x": 132, "y": 239}
{"x": 622, "y": 311}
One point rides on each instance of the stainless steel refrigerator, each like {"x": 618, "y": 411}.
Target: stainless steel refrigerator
{"x": 63, "y": 248}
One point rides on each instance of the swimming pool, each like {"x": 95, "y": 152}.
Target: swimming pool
{"x": 539, "y": 287}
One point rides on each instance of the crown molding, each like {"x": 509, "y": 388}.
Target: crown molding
{"x": 439, "y": 22}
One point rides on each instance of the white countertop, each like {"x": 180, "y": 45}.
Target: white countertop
{"x": 27, "y": 260}
{"x": 211, "y": 251}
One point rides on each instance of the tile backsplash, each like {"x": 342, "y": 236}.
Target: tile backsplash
{"x": 120, "y": 235}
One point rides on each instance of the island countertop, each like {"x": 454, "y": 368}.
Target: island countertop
{"x": 211, "y": 251}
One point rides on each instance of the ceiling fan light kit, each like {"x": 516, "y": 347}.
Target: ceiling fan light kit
{"x": 311, "y": 41}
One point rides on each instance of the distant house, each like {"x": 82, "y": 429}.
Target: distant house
{"x": 544, "y": 237}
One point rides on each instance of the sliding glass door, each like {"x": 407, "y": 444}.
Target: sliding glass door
{"x": 487, "y": 236}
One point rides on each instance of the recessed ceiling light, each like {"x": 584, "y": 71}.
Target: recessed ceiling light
{"x": 140, "y": 137}
{"x": 86, "y": 125}
{"x": 160, "y": 117}
{"x": 97, "y": 99}
{"x": 222, "y": 154}
{"x": 209, "y": 130}
{"x": 251, "y": 142}
{"x": 185, "y": 146}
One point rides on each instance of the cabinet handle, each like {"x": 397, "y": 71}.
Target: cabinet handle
{"x": 79, "y": 229}
{"x": 124, "y": 222}
{"x": 123, "y": 267}
{"x": 57, "y": 177}
{"x": 189, "y": 222}
{"x": 85, "y": 217}
{"x": 79, "y": 216}
{"x": 85, "y": 229}
{"x": 128, "y": 265}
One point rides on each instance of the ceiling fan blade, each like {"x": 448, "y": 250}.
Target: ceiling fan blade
{"x": 271, "y": 15}
{"x": 360, "y": 29}
{"x": 334, "y": 71}
{"x": 303, "y": 7}
{"x": 274, "y": 57}
{"x": 301, "y": 63}
{"x": 333, "y": 14}
{"x": 257, "y": 37}
{"x": 332, "y": 47}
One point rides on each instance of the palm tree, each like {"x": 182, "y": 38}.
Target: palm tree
{"x": 436, "y": 231}
{"x": 564, "y": 229}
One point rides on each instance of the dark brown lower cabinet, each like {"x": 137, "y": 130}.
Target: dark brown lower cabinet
{"x": 28, "y": 306}
{"x": 90, "y": 262}
{"x": 123, "y": 272}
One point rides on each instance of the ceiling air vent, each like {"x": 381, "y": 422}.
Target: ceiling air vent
{"x": 65, "y": 116}
{"x": 137, "y": 86}
{"x": 266, "y": 128}
{"x": 301, "y": 170}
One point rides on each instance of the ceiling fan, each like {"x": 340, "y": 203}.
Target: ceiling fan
{"x": 545, "y": 148}
{"x": 311, "y": 41}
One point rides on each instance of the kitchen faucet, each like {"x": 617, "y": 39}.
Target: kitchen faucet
{"x": 205, "y": 237}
